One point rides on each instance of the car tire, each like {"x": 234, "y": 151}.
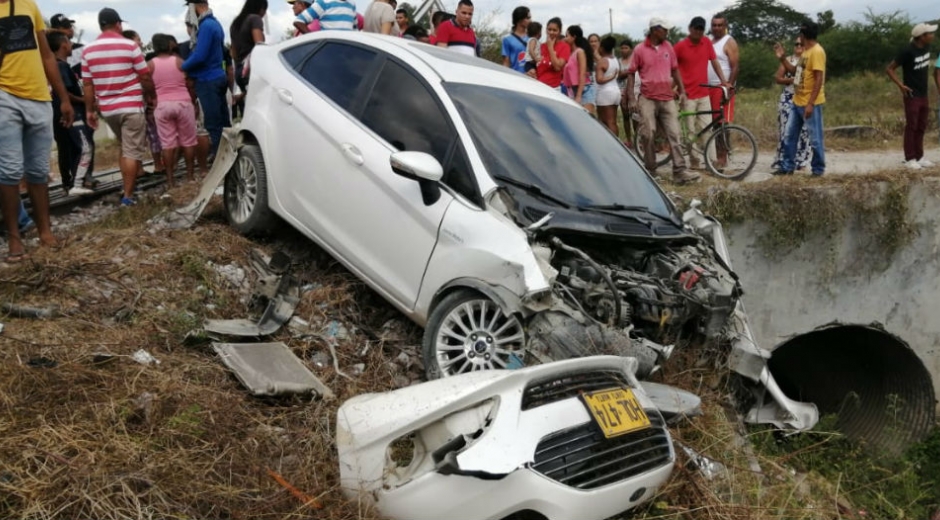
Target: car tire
{"x": 246, "y": 193}
{"x": 467, "y": 332}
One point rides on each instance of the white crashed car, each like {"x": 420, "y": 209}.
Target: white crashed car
{"x": 575, "y": 439}
{"x": 485, "y": 206}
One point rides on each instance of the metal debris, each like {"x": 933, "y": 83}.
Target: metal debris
{"x": 186, "y": 217}
{"x": 710, "y": 468}
{"x": 673, "y": 403}
{"x": 269, "y": 369}
{"x": 144, "y": 358}
{"x": 22, "y": 311}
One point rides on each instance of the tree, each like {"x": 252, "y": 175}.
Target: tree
{"x": 763, "y": 20}
{"x": 826, "y": 20}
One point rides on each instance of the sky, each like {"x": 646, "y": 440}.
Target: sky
{"x": 629, "y": 16}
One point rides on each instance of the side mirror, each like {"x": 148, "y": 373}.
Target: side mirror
{"x": 416, "y": 166}
{"x": 420, "y": 167}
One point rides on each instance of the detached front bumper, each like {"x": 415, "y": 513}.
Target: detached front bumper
{"x": 487, "y": 444}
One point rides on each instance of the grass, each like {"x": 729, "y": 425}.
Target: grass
{"x": 866, "y": 99}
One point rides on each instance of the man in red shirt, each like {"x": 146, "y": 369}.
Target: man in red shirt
{"x": 117, "y": 84}
{"x": 694, "y": 55}
{"x": 655, "y": 61}
{"x": 457, "y": 34}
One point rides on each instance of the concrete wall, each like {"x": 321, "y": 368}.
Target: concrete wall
{"x": 844, "y": 279}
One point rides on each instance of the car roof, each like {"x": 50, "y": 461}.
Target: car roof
{"x": 450, "y": 66}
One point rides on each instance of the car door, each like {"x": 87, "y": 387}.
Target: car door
{"x": 321, "y": 89}
{"x": 388, "y": 229}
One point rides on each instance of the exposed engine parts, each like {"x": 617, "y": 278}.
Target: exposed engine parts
{"x": 657, "y": 293}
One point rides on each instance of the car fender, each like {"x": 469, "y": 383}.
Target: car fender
{"x": 485, "y": 251}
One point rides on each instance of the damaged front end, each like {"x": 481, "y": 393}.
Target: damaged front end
{"x": 490, "y": 444}
{"x": 640, "y": 286}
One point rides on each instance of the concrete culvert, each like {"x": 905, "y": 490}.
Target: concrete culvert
{"x": 880, "y": 389}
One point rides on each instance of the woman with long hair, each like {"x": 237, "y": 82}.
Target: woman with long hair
{"x": 555, "y": 53}
{"x": 804, "y": 152}
{"x": 247, "y": 30}
{"x": 595, "y": 40}
{"x": 579, "y": 71}
{"x": 608, "y": 92}
{"x": 175, "y": 113}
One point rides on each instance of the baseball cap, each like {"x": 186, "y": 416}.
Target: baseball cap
{"x": 306, "y": 2}
{"x": 108, "y": 16}
{"x": 922, "y": 29}
{"x": 197, "y": 2}
{"x": 698, "y": 22}
{"x": 659, "y": 22}
{"x": 60, "y": 21}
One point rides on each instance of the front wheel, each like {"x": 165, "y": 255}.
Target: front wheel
{"x": 732, "y": 152}
{"x": 467, "y": 332}
{"x": 246, "y": 193}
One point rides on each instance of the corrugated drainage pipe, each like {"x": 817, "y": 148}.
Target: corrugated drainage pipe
{"x": 880, "y": 389}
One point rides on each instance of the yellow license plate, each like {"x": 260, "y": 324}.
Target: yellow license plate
{"x": 617, "y": 411}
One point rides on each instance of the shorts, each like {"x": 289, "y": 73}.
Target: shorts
{"x": 25, "y": 140}
{"x": 176, "y": 124}
{"x": 715, "y": 95}
{"x": 131, "y": 132}
{"x": 588, "y": 96}
{"x": 608, "y": 97}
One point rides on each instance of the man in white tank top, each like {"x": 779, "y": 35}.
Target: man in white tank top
{"x": 726, "y": 50}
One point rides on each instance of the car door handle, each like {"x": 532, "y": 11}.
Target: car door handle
{"x": 284, "y": 95}
{"x": 353, "y": 154}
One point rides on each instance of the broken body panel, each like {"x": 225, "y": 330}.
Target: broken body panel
{"x": 488, "y": 444}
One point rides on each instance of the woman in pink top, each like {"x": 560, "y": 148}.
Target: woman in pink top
{"x": 578, "y": 75}
{"x": 176, "y": 111}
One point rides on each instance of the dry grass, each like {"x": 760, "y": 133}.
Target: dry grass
{"x": 182, "y": 439}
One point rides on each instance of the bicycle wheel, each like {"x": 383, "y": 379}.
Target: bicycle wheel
{"x": 741, "y": 148}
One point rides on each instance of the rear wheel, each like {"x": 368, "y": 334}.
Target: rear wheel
{"x": 467, "y": 332}
{"x": 246, "y": 193}
{"x": 741, "y": 148}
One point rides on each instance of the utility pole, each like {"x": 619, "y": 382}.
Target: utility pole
{"x": 611, "y": 11}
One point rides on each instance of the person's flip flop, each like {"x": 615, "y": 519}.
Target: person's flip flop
{"x": 15, "y": 259}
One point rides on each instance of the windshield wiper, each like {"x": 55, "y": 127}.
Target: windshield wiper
{"x": 621, "y": 207}
{"x": 532, "y": 190}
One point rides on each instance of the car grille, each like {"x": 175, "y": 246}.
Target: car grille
{"x": 570, "y": 385}
{"x": 583, "y": 458}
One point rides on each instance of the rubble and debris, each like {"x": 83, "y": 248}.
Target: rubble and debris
{"x": 22, "y": 311}
{"x": 412, "y": 450}
{"x": 298, "y": 494}
{"x": 143, "y": 408}
{"x": 673, "y": 403}
{"x": 269, "y": 369}
{"x": 280, "y": 292}
{"x": 144, "y": 358}
{"x": 709, "y": 468}
{"x": 186, "y": 217}
{"x": 42, "y": 362}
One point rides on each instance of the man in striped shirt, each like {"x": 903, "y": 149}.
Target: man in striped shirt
{"x": 117, "y": 84}
{"x": 332, "y": 14}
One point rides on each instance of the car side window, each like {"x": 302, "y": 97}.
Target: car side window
{"x": 294, "y": 56}
{"x": 338, "y": 71}
{"x": 405, "y": 113}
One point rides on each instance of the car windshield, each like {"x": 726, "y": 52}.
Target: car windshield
{"x": 554, "y": 146}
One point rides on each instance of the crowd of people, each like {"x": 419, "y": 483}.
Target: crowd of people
{"x": 175, "y": 101}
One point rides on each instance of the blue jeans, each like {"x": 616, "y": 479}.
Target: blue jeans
{"x": 211, "y": 95}
{"x": 815, "y": 127}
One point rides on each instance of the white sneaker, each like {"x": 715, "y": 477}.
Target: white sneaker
{"x": 80, "y": 190}
{"x": 924, "y": 163}
{"x": 913, "y": 165}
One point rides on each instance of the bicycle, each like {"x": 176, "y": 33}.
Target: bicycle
{"x": 739, "y": 142}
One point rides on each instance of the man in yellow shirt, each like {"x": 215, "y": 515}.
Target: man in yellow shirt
{"x": 810, "y": 84}
{"x": 27, "y": 68}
